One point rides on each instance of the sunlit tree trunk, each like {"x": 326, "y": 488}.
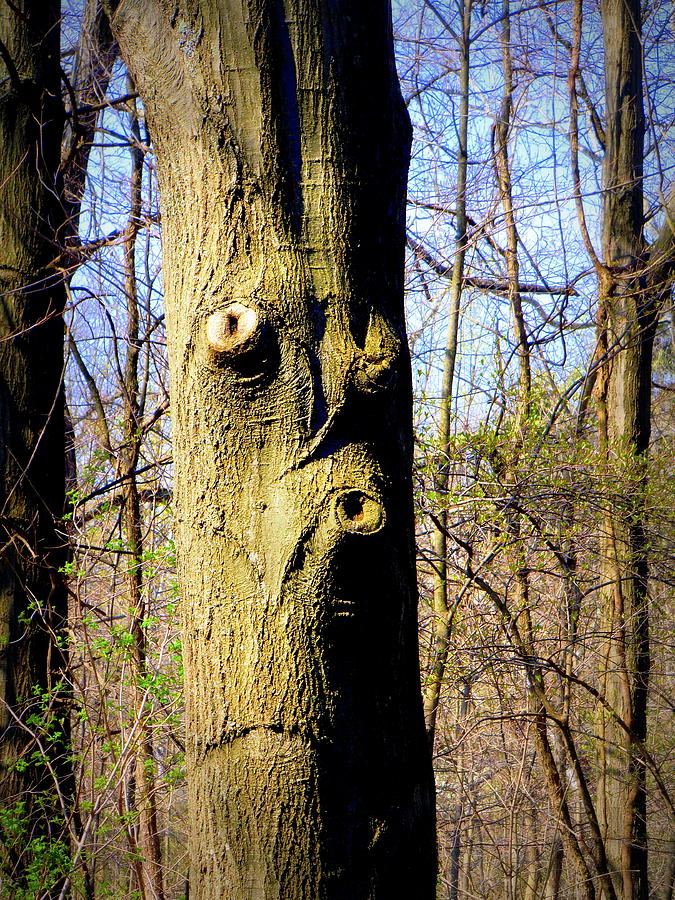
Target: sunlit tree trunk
{"x": 282, "y": 145}
{"x": 149, "y": 868}
{"x": 35, "y": 780}
{"x": 501, "y": 134}
{"x": 554, "y": 873}
{"x": 455, "y": 873}
{"x": 441, "y": 625}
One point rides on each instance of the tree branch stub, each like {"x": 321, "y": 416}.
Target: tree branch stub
{"x": 234, "y": 330}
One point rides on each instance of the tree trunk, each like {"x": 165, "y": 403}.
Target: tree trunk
{"x": 150, "y": 864}
{"x": 501, "y": 135}
{"x": 455, "y": 872}
{"x": 282, "y": 144}
{"x": 555, "y": 869}
{"x": 627, "y": 316}
{"x": 92, "y": 70}
{"x": 441, "y": 627}
{"x": 35, "y": 778}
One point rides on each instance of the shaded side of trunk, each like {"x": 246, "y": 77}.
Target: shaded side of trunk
{"x": 34, "y": 766}
{"x": 282, "y": 186}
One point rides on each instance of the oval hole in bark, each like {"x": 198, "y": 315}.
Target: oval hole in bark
{"x": 359, "y": 512}
{"x": 234, "y": 329}
{"x": 241, "y": 338}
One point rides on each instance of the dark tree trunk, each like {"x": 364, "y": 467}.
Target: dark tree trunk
{"x": 34, "y": 769}
{"x": 634, "y": 280}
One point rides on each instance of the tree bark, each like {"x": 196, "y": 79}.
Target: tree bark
{"x": 441, "y": 628}
{"x": 35, "y": 776}
{"x": 631, "y": 292}
{"x": 282, "y": 145}
{"x": 150, "y": 863}
{"x": 624, "y": 387}
{"x": 501, "y": 136}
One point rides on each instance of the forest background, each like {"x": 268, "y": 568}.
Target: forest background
{"x": 532, "y": 504}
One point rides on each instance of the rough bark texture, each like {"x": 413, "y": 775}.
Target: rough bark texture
{"x": 628, "y": 312}
{"x": 33, "y": 720}
{"x": 282, "y": 145}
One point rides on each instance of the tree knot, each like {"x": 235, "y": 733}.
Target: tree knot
{"x": 359, "y": 512}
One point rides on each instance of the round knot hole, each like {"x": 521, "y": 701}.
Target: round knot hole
{"x": 359, "y": 512}
{"x": 353, "y": 506}
{"x": 232, "y": 329}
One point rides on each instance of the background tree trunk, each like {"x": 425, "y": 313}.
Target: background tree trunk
{"x": 145, "y": 804}
{"x": 627, "y": 322}
{"x": 434, "y": 682}
{"x": 35, "y": 776}
{"x": 282, "y": 198}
